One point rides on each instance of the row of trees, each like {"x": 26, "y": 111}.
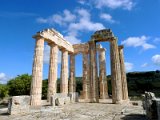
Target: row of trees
{"x": 138, "y": 83}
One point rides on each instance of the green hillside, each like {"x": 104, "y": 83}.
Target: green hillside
{"x": 138, "y": 83}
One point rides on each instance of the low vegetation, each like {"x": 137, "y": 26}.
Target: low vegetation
{"x": 138, "y": 83}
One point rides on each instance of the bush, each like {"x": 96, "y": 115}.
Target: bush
{"x": 20, "y": 85}
{"x": 3, "y": 91}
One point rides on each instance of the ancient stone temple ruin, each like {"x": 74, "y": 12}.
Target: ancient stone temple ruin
{"x": 94, "y": 86}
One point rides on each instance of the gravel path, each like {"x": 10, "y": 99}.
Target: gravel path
{"x": 81, "y": 111}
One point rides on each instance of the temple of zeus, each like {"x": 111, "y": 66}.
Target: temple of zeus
{"x": 94, "y": 85}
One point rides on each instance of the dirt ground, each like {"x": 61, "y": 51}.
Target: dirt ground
{"x": 82, "y": 111}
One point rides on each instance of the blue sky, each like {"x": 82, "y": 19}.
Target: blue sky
{"x": 136, "y": 23}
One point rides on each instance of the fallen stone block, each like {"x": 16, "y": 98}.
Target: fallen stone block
{"x": 59, "y": 101}
{"x": 19, "y": 105}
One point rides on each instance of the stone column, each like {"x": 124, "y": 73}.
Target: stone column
{"x": 85, "y": 78}
{"x": 102, "y": 74}
{"x": 123, "y": 74}
{"x": 115, "y": 72}
{"x": 72, "y": 82}
{"x": 37, "y": 73}
{"x": 52, "y": 76}
{"x": 94, "y": 92}
{"x": 64, "y": 72}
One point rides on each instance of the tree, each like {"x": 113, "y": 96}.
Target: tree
{"x": 20, "y": 85}
{"x": 3, "y": 91}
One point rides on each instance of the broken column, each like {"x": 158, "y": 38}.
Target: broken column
{"x": 102, "y": 74}
{"x": 94, "y": 91}
{"x": 115, "y": 72}
{"x": 37, "y": 74}
{"x": 123, "y": 74}
{"x": 53, "y": 66}
{"x": 85, "y": 79}
{"x": 72, "y": 81}
{"x": 64, "y": 72}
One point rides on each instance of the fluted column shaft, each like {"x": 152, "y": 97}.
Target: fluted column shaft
{"x": 123, "y": 74}
{"x": 102, "y": 75}
{"x": 64, "y": 72}
{"x": 94, "y": 92}
{"x": 86, "y": 83}
{"x": 52, "y": 76}
{"x": 37, "y": 73}
{"x": 72, "y": 82}
{"x": 115, "y": 72}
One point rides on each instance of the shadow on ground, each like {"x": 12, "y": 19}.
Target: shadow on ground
{"x": 134, "y": 117}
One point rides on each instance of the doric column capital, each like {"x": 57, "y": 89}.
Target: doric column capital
{"x": 62, "y": 49}
{"x": 102, "y": 50}
{"x": 113, "y": 38}
{"x": 120, "y": 47}
{"x": 52, "y": 44}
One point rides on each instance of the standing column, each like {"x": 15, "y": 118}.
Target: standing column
{"x": 123, "y": 73}
{"x": 102, "y": 74}
{"x": 52, "y": 77}
{"x": 115, "y": 72}
{"x": 94, "y": 92}
{"x": 64, "y": 72}
{"x": 85, "y": 76}
{"x": 37, "y": 74}
{"x": 72, "y": 82}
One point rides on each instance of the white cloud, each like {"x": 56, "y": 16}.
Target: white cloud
{"x": 3, "y": 78}
{"x": 46, "y": 55}
{"x": 156, "y": 59}
{"x": 145, "y": 65}
{"x": 74, "y": 23}
{"x": 85, "y": 22}
{"x": 72, "y": 39}
{"x": 138, "y": 42}
{"x": 66, "y": 17}
{"x": 157, "y": 40}
{"x": 128, "y": 66}
{"x": 107, "y": 17}
{"x": 113, "y": 4}
{"x": 83, "y": 2}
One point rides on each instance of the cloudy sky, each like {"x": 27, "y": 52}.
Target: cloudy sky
{"x": 136, "y": 23}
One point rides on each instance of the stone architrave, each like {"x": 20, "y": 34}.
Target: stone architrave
{"x": 123, "y": 74}
{"x": 102, "y": 74}
{"x": 115, "y": 72}
{"x": 64, "y": 72}
{"x": 85, "y": 79}
{"x": 94, "y": 91}
{"x": 37, "y": 74}
{"x": 72, "y": 81}
{"x": 53, "y": 66}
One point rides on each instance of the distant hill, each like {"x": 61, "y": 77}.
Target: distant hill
{"x": 138, "y": 83}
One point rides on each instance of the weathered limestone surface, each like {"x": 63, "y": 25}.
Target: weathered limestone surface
{"x": 81, "y": 111}
{"x": 53, "y": 66}
{"x": 72, "y": 81}
{"x": 123, "y": 74}
{"x": 19, "y": 105}
{"x": 37, "y": 74}
{"x": 74, "y": 97}
{"x": 94, "y": 92}
{"x": 52, "y": 36}
{"x": 60, "y": 99}
{"x": 80, "y": 48}
{"x": 64, "y": 72}
{"x": 102, "y": 74}
{"x": 85, "y": 79}
{"x": 151, "y": 105}
{"x": 115, "y": 72}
